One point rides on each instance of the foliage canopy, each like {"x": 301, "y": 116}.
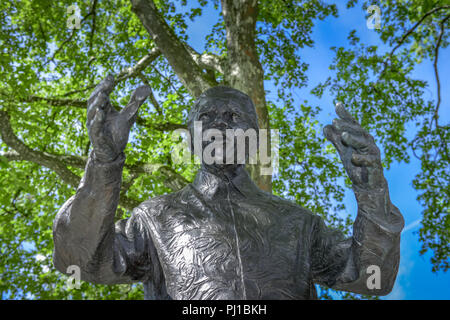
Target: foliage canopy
{"x": 48, "y": 71}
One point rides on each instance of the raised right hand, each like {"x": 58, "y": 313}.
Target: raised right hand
{"x": 109, "y": 129}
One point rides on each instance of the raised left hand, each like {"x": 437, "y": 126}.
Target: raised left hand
{"x": 357, "y": 150}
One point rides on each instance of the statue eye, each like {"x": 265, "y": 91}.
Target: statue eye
{"x": 235, "y": 116}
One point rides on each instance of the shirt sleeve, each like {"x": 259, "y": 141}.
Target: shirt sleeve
{"x": 86, "y": 236}
{"x": 353, "y": 264}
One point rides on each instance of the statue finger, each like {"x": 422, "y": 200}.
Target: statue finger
{"x": 105, "y": 86}
{"x": 358, "y": 142}
{"x": 335, "y": 138}
{"x": 344, "y": 125}
{"x": 137, "y": 99}
{"x": 100, "y": 95}
{"x": 343, "y": 113}
{"x": 97, "y": 123}
{"x": 366, "y": 160}
{"x": 101, "y": 101}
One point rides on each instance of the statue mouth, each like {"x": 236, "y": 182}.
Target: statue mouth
{"x": 223, "y": 143}
{"x": 226, "y": 148}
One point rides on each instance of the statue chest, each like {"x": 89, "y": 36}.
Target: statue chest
{"x": 226, "y": 250}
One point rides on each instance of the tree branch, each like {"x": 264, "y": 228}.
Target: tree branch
{"x": 438, "y": 85}
{"x": 56, "y": 163}
{"x": 175, "y": 89}
{"x": 139, "y": 67}
{"x": 92, "y": 86}
{"x": 56, "y": 102}
{"x": 436, "y": 57}
{"x": 173, "y": 179}
{"x": 171, "y": 47}
{"x": 151, "y": 96}
{"x": 407, "y": 33}
{"x": 59, "y": 163}
{"x": 63, "y": 102}
{"x": 94, "y": 14}
{"x": 125, "y": 73}
{"x": 26, "y": 153}
{"x": 400, "y": 42}
{"x": 207, "y": 61}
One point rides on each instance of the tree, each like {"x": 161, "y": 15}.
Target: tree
{"x": 51, "y": 58}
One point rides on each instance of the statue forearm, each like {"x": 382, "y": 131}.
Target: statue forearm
{"x": 375, "y": 205}
{"x": 347, "y": 264}
{"x": 376, "y": 233}
{"x": 84, "y": 222}
{"x": 375, "y": 245}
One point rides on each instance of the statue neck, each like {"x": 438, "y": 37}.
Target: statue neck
{"x": 226, "y": 172}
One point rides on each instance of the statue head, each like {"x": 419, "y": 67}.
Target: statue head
{"x": 221, "y": 108}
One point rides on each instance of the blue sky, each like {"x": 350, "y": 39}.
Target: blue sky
{"x": 415, "y": 279}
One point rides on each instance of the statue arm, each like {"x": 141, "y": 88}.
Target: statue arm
{"x": 349, "y": 264}
{"x": 85, "y": 234}
{"x": 84, "y": 231}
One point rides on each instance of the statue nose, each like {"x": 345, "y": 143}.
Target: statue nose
{"x": 219, "y": 123}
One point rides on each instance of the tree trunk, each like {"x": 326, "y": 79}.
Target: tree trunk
{"x": 244, "y": 71}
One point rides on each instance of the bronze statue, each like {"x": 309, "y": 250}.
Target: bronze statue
{"x": 221, "y": 237}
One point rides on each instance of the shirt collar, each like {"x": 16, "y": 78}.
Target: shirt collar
{"x": 212, "y": 184}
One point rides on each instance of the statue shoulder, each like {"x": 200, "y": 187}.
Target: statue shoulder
{"x": 159, "y": 204}
{"x": 290, "y": 207}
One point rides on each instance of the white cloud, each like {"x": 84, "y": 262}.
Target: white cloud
{"x": 412, "y": 225}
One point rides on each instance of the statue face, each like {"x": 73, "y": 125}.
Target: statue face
{"x": 221, "y": 111}
{"x": 224, "y": 114}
